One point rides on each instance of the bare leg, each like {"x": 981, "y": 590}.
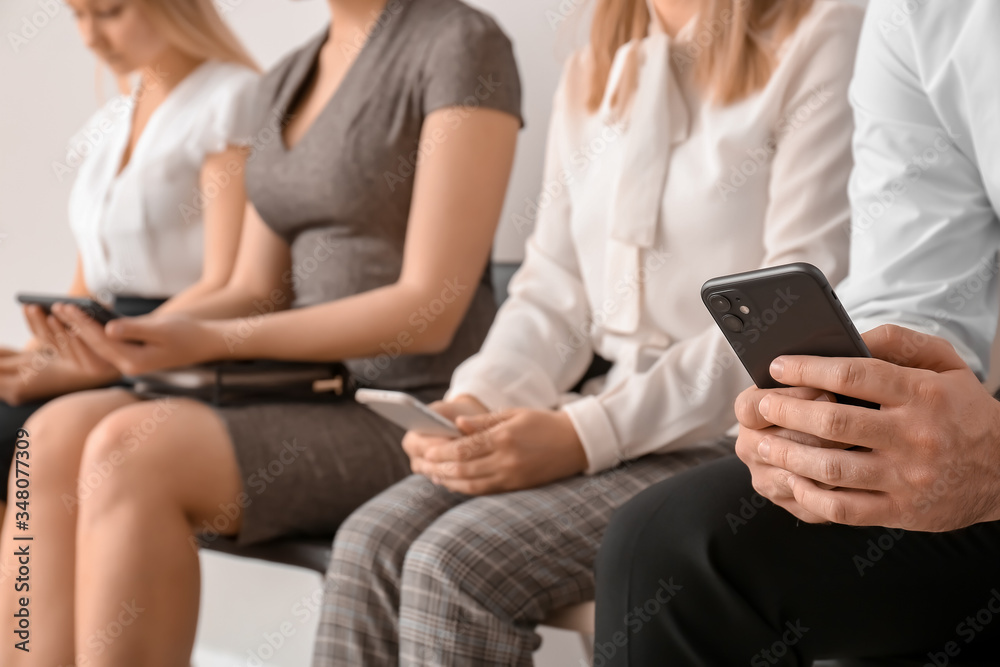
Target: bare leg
{"x": 57, "y": 434}
{"x": 138, "y": 577}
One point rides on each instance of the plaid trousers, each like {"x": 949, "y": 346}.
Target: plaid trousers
{"x": 423, "y": 576}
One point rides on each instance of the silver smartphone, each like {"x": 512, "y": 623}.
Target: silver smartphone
{"x": 407, "y": 412}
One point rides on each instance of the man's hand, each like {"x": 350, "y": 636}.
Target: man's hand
{"x": 934, "y": 460}
{"x": 768, "y": 480}
{"x": 509, "y": 451}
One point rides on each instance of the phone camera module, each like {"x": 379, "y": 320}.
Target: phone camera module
{"x": 732, "y": 323}
{"x": 720, "y": 304}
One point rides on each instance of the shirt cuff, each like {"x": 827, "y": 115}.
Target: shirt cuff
{"x": 596, "y": 433}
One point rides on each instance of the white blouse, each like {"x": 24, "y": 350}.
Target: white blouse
{"x": 140, "y": 232}
{"x": 637, "y": 213}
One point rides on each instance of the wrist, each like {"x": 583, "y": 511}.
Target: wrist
{"x": 222, "y": 340}
{"x": 574, "y": 445}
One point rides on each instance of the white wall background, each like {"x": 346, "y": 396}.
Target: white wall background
{"x": 48, "y": 89}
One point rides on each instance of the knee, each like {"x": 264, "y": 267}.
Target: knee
{"x": 453, "y": 549}
{"x": 374, "y": 539}
{"x": 119, "y": 460}
{"x": 366, "y": 539}
{"x": 56, "y": 434}
{"x": 677, "y": 527}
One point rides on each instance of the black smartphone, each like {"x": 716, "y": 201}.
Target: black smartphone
{"x": 92, "y": 309}
{"x": 788, "y": 309}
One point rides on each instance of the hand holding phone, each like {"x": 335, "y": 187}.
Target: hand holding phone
{"x": 91, "y": 308}
{"x": 782, "y": 310}
{"x": 407, "y": 412}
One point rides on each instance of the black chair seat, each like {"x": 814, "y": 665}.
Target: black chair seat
{"x": 310, "y": 553}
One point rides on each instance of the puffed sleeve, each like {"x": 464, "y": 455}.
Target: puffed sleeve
{"x": 231, "y": 113}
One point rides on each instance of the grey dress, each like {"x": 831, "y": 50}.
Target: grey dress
{"x": 341, "y": 198}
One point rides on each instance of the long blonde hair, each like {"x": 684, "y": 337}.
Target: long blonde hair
{"x": 196, "y": 28}
{"x": 737, "y": 60}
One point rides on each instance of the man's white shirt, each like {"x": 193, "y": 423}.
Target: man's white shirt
{"x": 926, "y": 181}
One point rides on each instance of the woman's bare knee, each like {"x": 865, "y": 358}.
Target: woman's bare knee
{"x": 58, "y": 431}
{"x": 174, "y": 453}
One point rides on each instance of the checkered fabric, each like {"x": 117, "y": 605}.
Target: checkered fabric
{"x": 424, "y": 576}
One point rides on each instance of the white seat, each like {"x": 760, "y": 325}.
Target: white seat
{"x": 580, "y": 619}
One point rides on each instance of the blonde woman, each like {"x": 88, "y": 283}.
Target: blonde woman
{"x": 157, "y": 202}
{"x": 690, "y": 139}
{"x": 348, "y": 252}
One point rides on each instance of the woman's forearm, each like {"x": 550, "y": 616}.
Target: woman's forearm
{"x": 223, "y": 303}
{"x": 189, "y": 298}
{"x": 393, "y": 320}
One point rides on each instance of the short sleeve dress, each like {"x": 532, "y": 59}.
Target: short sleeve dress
{"x": 341, "y": 198}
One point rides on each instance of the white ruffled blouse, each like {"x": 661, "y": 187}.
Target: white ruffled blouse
{"x": 140, "y": 232}
{"x": 643, "y": 204}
